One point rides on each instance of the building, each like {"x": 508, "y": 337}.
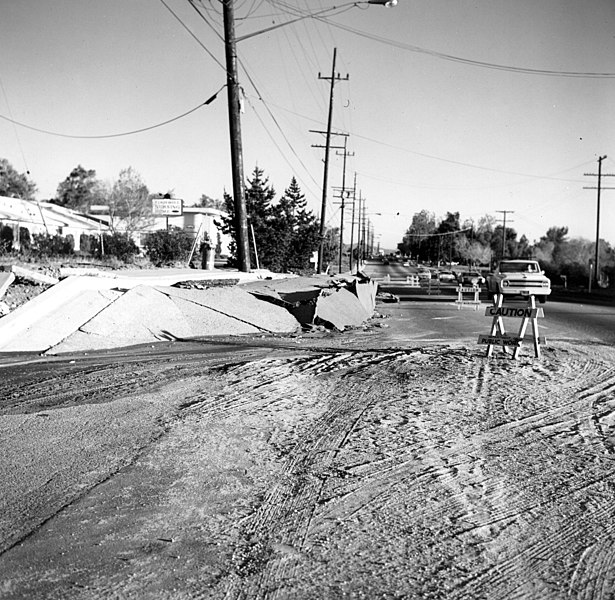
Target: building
{"x": 44, "y": 217}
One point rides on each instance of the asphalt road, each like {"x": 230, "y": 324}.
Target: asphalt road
{"x": 420, "y": 316}
{"x": 366, "y": 464}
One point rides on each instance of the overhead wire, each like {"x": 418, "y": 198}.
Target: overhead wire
{"x": 466, "y": 61}
{"x": 442, "y": 159}
{"x": 8, "y": 106}
{"x": 193, "y": 35}
{"x": 260, "y": 97}
{"x": 114, "y": 135}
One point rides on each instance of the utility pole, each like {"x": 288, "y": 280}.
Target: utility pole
{"x": 325, "y": 181}
{"x": 343, "y": 196}
{"x": 354, "y": 200}
{"x": 363, "y": 229}
{"x": 504, "y": 212}
{"x": 599, "y": 187}
{"x": 359, "y": 230}
{"x": 232, "y": 85}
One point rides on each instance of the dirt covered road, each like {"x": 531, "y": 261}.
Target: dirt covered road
{"x": 310, "y": 470}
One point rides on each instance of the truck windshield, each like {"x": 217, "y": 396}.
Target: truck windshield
{"x": 513, "y": 267}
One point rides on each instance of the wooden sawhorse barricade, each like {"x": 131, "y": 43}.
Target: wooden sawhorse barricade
{"x": 461, "y": 301}
{"x": 528, "y": 313}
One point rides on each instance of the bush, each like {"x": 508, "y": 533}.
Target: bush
{"x": 117, "y": 245}
{"x": 167, "y": 247}
{"x": 86, "y": 244}
{"x": 45, "y": 245}
{"x": 120, "y": 246}
{"x": 25, "y": 241}
{"x": 6, "y": 239}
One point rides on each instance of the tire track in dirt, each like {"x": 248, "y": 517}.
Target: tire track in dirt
{"x": 482, "y": 508}
{"x": 278, "y": 533}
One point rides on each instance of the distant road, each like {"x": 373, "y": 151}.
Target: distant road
{"x": 438, "y": 319}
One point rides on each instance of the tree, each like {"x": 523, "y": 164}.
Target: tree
{"x": 129, "y": 203}
{"x": 286, "y": 233}
{"x": 298, "y": 229}
{"x": 446, "y": 242}
{"x": 510, "y": 243}
{"x": 331, "y": 247}
{"x": 413, "y": 243}
{"x": 473, "y": 252}
{"x": 14, "y": 184}
{"x": 207, "y": 202}
{"x": 484, "y": 231}
{"x": 79, "y": 190}
{"x": 259, "y": 197}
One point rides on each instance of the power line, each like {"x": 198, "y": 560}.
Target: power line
{"x": 194, "y": 36}
{"x": 115, "y": 135}
{"x": 467, "y": 61}
{"x": 441, "y": 158}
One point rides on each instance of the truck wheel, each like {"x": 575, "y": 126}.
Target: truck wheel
{"x": 542, "y": 299}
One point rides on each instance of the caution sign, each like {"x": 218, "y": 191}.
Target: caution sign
{"x": 518, "y": 312}
{"x": 473, "y": 301}
{"x": 528, "y": 313}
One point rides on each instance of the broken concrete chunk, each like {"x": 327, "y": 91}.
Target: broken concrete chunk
{"x": 341, "y": 309}
{"x": 33, "y": 276}
{"x": 5, "y": 281}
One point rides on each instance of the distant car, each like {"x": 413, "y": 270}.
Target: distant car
{"x": 471, "y": 278}
{"x": 446, "y": 276}
{"x": 385, "y": 261}
{"x": 424, "y": 274}
{"x": 519, "y": 278}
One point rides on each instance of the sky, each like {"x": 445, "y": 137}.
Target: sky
{"x": 468, "y": 106}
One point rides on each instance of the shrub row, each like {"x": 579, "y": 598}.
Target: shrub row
{"x": 161, "y": 247}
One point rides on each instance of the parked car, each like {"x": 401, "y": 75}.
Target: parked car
{"x": 446, "y": 277}
{"x": 519, "y": 278}
{"x": 471, "y": 278}
{"x": 424, "y": 274}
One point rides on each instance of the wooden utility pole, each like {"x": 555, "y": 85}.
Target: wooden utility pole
{"x": 504, "y": 212}
{"x": 232, "y": 86}
{"x": 600, "y": 175}
{"x": 354, "y": 199}
{"x": 325, "y": 181}
{"x": 343, "y": 196}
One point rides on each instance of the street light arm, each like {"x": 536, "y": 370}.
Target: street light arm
{"x": 315, "y": 15}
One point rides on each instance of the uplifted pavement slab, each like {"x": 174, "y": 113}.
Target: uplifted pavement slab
{"x": 242, "y": 306}
{"x": 53, "y": 315}
{"x": 339, "y": 302}
{"x": 5, "y": 281}
{"x": 147, "y": 314}
{"x": 340, "y": 309}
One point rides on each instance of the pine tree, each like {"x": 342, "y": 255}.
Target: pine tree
{"x": 286, "y": 233}
{"x": 261, "y": 217}
{"x": 298, "y": 229}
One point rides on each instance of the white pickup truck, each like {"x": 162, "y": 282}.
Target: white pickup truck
{"x": 519, "y": 278}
